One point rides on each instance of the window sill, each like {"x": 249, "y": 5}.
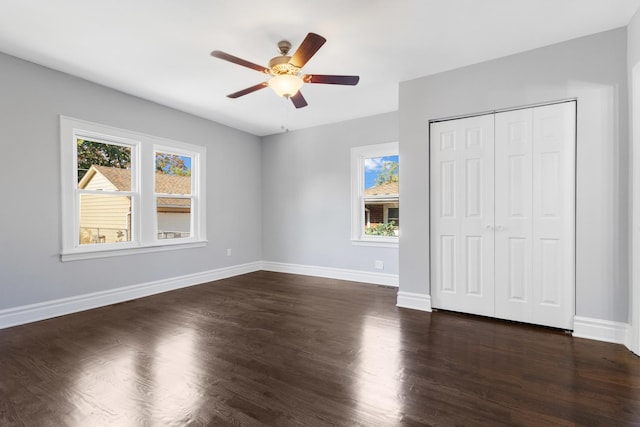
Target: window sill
{"x": 93, "y": 254}
{"x": 377, "y": 243}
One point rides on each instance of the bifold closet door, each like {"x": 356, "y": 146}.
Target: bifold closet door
{"x": 502, "y": 220}
{"x": 514, "y": 215}
{"x": 534, "y": 215}
{"x": 554, "y": 186}
{"x": 462, "y": 199}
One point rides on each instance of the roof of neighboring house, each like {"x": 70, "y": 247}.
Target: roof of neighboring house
{"x": 172, "y": 184}
{"x": 386, "y": 189}
{"x": 165, "y": 183}
{"x": 119, "y": 177}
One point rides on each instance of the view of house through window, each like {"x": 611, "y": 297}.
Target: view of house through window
{"x": 105, "y": 183}
{"x": 104, "y": 186}
{"x": 125, "y": 192}
{"x": 381, "y": 196}
{"x": 173, "y": 195}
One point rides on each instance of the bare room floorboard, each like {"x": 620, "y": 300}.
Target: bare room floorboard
{"x": 278, "y": 349}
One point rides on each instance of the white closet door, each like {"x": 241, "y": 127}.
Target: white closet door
{"x": 504, "y": 245}
{"x": 462, "y": 246}
{"x": 554, "y": 149}
{"x": 513, "y": 215}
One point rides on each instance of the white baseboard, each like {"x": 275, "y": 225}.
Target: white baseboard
{"x": 414, "y": 301}
{"x": 332, "y": 273}
{"x": 583, "y": 327}
{"x": 46, "y": 310}
{"x": 601, "y": 330}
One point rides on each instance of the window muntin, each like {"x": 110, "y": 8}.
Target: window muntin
{"x": 111, "y": 203}
{"x": 375, "y": 193}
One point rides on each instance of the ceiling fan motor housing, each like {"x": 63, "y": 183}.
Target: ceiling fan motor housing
{"x": 281, "y": 65}
{"x": 284, "y": 47}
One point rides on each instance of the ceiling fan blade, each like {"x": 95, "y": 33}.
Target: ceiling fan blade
{"x": 225, "y": 56}
{"x": 298, "y": 100}
{"x": 248, "y": 90}
{"x": 330, "y": 79}
{"x": 307, "y": 49}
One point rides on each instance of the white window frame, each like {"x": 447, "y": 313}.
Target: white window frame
{"x": 143, "y": 201}
{"x": 358, "y": 156}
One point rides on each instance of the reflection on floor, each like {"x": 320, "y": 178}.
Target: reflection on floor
{"x": 277, "y": 349}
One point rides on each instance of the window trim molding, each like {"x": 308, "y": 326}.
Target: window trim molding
{"x": 358, "y": 155}
{"x": 113, "y": 252}
{"x": 143, "y": 240}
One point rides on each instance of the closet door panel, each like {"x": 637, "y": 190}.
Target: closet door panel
{"x": 513, "y": 215}
{"x": 461, "y": 188}
{"x": 554, "y": 214}
{"x": 445, "y": 205}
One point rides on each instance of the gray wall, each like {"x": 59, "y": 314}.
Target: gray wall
{"x": 31, "y": 99}
{"x": 591, "y": 69}
{"x": 306, "y": 195}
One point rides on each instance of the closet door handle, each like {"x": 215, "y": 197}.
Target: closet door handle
{"x": 489, "y": 227}
{"x": 500, "y": 228}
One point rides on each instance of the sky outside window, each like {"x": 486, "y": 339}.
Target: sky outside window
{"x": 373, "y": 167}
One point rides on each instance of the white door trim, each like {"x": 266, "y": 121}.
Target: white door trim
{"x": 634, "y": 319}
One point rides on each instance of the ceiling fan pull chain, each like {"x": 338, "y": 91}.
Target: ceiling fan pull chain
{"x": 284, "y": 115}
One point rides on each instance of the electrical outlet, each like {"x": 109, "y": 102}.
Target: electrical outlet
{"x": 379, "y": 265}
{"x": 228, "y": 251}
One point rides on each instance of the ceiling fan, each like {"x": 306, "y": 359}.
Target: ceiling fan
{"x": 286, "y": 79}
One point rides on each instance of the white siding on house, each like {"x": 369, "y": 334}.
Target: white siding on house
{"x": 174, "y": 221}
{"x": 104, "y": 218}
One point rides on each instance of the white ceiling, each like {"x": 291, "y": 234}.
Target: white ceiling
{"x": 159, "y": 49}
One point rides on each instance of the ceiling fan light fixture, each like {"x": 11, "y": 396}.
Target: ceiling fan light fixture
{"x": 285, "y": 85}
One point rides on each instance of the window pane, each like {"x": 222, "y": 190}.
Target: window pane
{"x": 104, "y": 218}
{"x": 174, "y": 217}
{"x": 103, "y": 166}
{"x": 381, "y": 190}
{"x": 173, "y": 174}
{"x": 393, "y": 216}
{"x": 379, "y": 171}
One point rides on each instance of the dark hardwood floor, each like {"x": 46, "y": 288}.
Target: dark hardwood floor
{"x": 276, "y": 349}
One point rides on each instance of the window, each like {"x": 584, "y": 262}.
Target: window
{"x": 393, "y": 215}
{"x": 173, "y": 194}
{"x": 124, "y": 192}
{"x": 375, "y": 194}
